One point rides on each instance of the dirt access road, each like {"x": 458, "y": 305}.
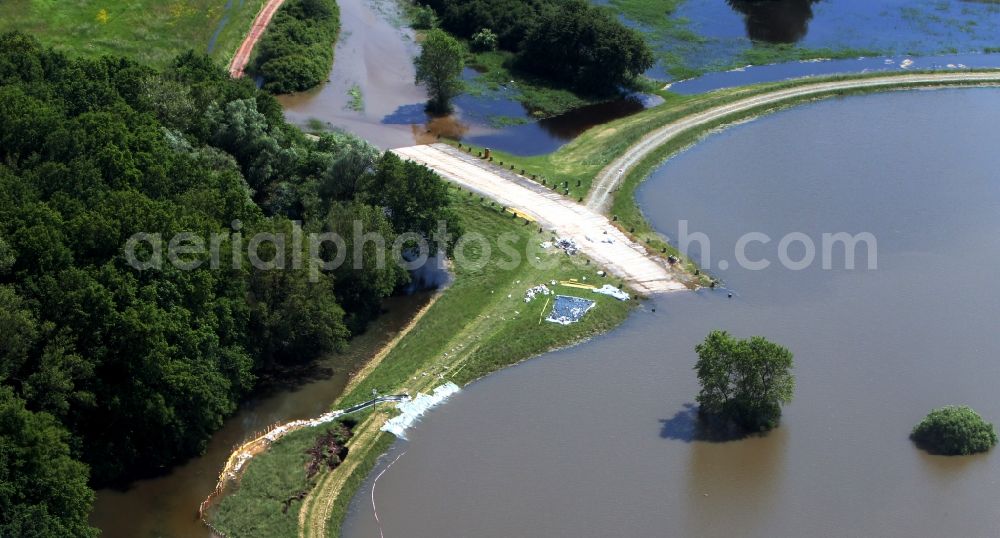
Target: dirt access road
{"x": 593, "y": 233}
{"x": 242, "y": 56}
{"x": 600, "y": 195}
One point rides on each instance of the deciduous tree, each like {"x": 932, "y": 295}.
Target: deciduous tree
{"x": 43, "y": 491}
{"x": 439, "y": 67}
{"x": 744, "y": 381}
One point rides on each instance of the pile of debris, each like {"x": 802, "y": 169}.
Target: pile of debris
{"x": 329, "y": 449}
{"x": 541, "y": 289}
{"x": 567, "y": 245}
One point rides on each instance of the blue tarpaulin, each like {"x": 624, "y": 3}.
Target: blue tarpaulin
{"x": 568, "y": 309}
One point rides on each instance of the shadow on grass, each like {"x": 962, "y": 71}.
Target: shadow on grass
{"x": 688, "y": 426}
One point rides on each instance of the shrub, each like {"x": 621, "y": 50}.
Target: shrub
{"x": 424, "y": 18}
{"x": 290, "y": 73}
{"x": 954, "y": 431}
{"x": 484, "y": 40}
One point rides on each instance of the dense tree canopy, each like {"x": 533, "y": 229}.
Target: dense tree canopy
{"x": 296, "y": 52}
{"x": 570, "y": 42}
{"x": 744, "y": 381}
{"x": 416, "y": 205}
{"x": 43, "y": 491}
{"x": 131, "y": 370}
{"x": 954, "y": 431}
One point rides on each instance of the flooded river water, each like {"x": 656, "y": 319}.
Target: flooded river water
{"x": 599, "y": 440}
{"x": 374, "y": 59}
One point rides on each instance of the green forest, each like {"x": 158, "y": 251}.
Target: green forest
{"x": 109, "y": 373}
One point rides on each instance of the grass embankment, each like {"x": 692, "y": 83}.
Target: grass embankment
{"x": 323, "y": 511}
{"x": 272, "y": 484}
{"x": 574, "y": 166}
{"x": 578, "y": 162}
{"x": 150, "y": 31}
{"x": 479, "y": 325}
{"x": 624, "y": 204}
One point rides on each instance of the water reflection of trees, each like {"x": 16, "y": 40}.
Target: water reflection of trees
{"x": 775, "y": 21}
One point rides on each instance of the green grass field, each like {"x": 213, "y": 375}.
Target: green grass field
{"x": 482, "y": 323}
{"x": 150, "y": 31}
{"x": 256, "y": 506}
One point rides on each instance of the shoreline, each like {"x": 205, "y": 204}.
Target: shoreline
{"x": 648, "y": 151}
{"x": 371, "y": 364}
{"x": 611, "y": 177}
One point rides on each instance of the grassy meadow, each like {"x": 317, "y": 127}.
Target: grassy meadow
{"x": 150, "y": 31}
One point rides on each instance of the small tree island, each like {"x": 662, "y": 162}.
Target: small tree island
{"x": 743, "y": 382}
{"x": 954, "y": 431}
{"x": 439, "y": 67}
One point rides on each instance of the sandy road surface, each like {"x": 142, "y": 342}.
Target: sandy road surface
{"x": 242, "y": 56}
{"x": 600, "y": 195}
{"x": 595, "y": 235}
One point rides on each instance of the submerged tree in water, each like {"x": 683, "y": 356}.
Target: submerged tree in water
{"x": 439, "y": 67}
{"x": 744, "y": 382}
{"x": 954, "y": 431}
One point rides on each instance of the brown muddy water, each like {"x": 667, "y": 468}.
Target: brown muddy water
{"x": 600, "y": 440}
{"x": 166, "y": 507}
{"x": 374, "y": 56}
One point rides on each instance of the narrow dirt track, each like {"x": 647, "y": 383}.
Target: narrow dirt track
{"x": 242, "y": 56}
{"x": 607, "y": 181}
